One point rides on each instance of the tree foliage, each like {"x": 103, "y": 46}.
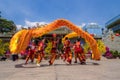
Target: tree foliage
{"x": 7, "y": 25}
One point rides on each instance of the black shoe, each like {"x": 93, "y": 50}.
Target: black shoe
{"x": 83, "y": 63}
{"x": 70, "y": 62}
{"x": 50, "y": 63}
{"x": 75, "y": 62}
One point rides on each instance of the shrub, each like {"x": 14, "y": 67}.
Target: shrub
{"x": 3, "y": 47}
{"x": 116, "y": 53}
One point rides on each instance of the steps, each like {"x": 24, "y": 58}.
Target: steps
{"x": 113, "y": 45}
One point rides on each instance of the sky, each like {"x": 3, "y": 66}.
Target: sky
{"x": 79, "y": 12}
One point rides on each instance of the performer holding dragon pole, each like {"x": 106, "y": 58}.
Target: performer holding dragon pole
{"x": 40, "y": 53}
{"x": 67, "y": 51}
{"x": 79, "y": 53}
{"x": 30, "y": 53}
{"x": 53, "y": 51}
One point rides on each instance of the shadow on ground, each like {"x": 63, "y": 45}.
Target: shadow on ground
{"x": 47, "y": 65}
{"x": 74, "y": 64}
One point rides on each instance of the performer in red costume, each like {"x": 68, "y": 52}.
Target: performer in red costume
{"x": 79, "y": 53}
{"x": 67, "y": 51}
{"x": 75, "y": 54}
{"x": 53, "y": 51}
{"x": 40, "y": 53}
{"x": 30, "y": 53}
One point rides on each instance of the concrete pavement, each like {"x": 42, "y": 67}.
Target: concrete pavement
{"x": 106, "y": 69}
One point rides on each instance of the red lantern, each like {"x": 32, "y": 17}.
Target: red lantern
{"x": 117, "y": 34}
{"x": 54, "y": 35}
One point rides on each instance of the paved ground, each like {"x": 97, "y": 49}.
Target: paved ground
{"x": 106, "y": 69}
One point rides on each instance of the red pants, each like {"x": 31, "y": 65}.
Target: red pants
{"x": 79, "y": 54}
{"x": 53, "y": 56}
{"x": 40, "y": 56}
{"x": 68, "y": 55}
{"x": 30, "y": 56}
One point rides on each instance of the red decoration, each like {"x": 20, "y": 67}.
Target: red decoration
{"x": 117, "y": 34}
{"x": 54, "y": 35}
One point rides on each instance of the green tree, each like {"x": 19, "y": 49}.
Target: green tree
{"x": 7, "y": 25}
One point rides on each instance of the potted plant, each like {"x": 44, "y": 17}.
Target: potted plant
{"x": 115, "y": 54}
{"x": 119, "y": 55}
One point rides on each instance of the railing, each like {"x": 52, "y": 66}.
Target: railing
{"x": 5, "y": 35}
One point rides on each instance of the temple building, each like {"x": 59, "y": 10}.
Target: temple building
{"x": 60, "y": 32}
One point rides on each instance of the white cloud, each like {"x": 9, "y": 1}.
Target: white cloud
{"x": 93, "y": 25}
{"x": 31, "y": 24}
{"x": 35, "y": 24}
{"x": 83, "y": 24}
{"x": 19, "y": 26}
